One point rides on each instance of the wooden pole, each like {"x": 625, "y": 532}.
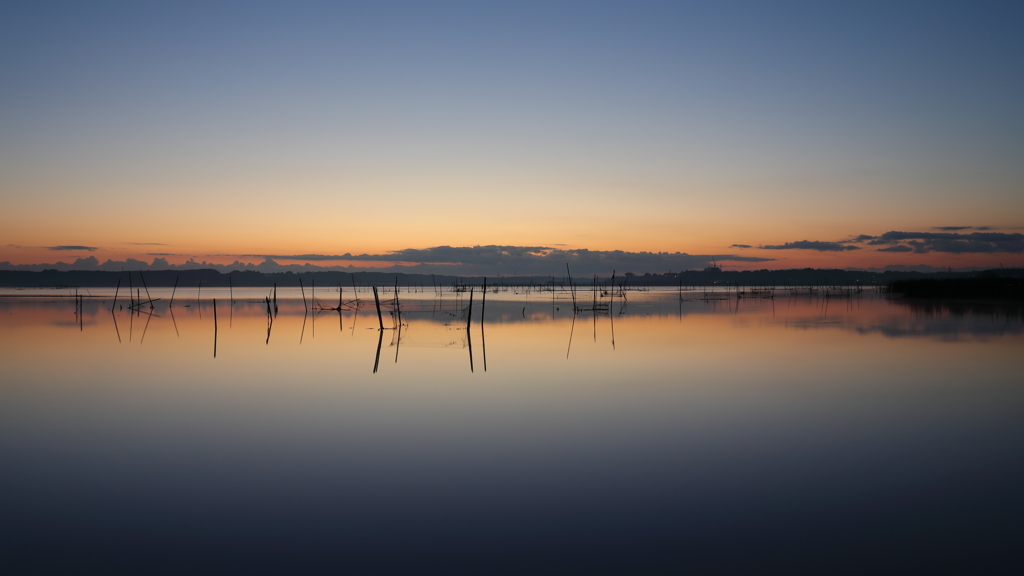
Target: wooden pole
{"x": 380, "y": 319}
{"x": 572, "y": 288}
{"x": 116, "y": 290}
{"x": 469, "y": 314}
{"x": 214, "y": 327}
{"x": 398, "y": 309}
{"x": 301, "y": 287}
{"x": 143, "y": 278}
{"x": 175, "y": 289}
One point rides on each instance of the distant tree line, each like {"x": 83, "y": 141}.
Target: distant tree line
{"x": 707, "y": 277}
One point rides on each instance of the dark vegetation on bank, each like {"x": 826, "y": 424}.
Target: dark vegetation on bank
{"x": 989, "y": 281}
{"x": 989, "y": 287}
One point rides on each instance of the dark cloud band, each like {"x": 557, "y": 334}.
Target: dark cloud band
{"x": 812, "y": 245}
{"x": 73, "y": 248}
{"x": 951, "y": 242}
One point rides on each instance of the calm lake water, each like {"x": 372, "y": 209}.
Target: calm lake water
{"x": 842, "y": 435}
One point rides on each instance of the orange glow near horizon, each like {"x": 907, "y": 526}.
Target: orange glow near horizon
{"x": 784, "y": 259}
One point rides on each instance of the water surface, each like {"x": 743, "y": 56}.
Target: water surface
{"x": 661, "y": 433}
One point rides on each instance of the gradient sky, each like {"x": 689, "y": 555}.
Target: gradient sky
{"x": 219, "y": 129}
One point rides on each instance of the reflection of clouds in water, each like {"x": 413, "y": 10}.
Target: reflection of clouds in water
{"x": 947, "y": 331}
{"x": 947, "y": 328}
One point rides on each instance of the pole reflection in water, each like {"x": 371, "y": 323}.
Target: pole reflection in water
{"x": 398, "y": 339}
{"x": 376, "y": 359}
{"x": 170, "y": 310}
{"x": 572, "y": 327}
{"x": 469, "y": 321}
{"x": 149, "y": 316}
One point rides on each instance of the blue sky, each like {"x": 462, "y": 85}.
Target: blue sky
{"x": 636, "y": 126}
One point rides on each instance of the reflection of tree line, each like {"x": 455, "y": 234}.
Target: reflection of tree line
{"x": 1001, "y": 316}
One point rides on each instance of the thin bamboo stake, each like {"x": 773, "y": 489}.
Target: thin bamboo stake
{"x": 173, "y": 291}
{"x": 116, "y": 290}
{"x": 214, "y": 327}
{"x": 380, "y": 319}
{"x": 143, "y": 278}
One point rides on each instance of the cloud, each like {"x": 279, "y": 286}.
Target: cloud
{"x": 862, "y": 238}
{"x": 896, "y": 248}
{"x": 954, "y": 243}
{"x": 740, "y": 246}
{"x": 160, "y": 254}
{"x": 89, "y": 263}
{"x": 73, "y": 248}
{"x": 951, "y": 228}
{"x": 812, "y": 245}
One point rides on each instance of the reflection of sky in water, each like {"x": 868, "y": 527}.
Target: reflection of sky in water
{"x": 707, "y": 436}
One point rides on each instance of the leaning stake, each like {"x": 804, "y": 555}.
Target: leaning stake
{"x": 214, "y": 327}
{"x": 377, "y": 301}
{"x": 115, "y": 295}
{"x": 173, "y": 291}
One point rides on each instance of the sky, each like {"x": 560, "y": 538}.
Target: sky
{"x": 763, "y": 134}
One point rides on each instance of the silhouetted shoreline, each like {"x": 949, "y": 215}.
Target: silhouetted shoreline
{"x": 706, "y": 277}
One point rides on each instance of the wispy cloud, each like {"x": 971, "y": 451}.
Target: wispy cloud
{"x": 73, "y": 248}
{"x": 812, "y": 245}
{"x": 740, "y": 246}
{"x": 896, "y": 248}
